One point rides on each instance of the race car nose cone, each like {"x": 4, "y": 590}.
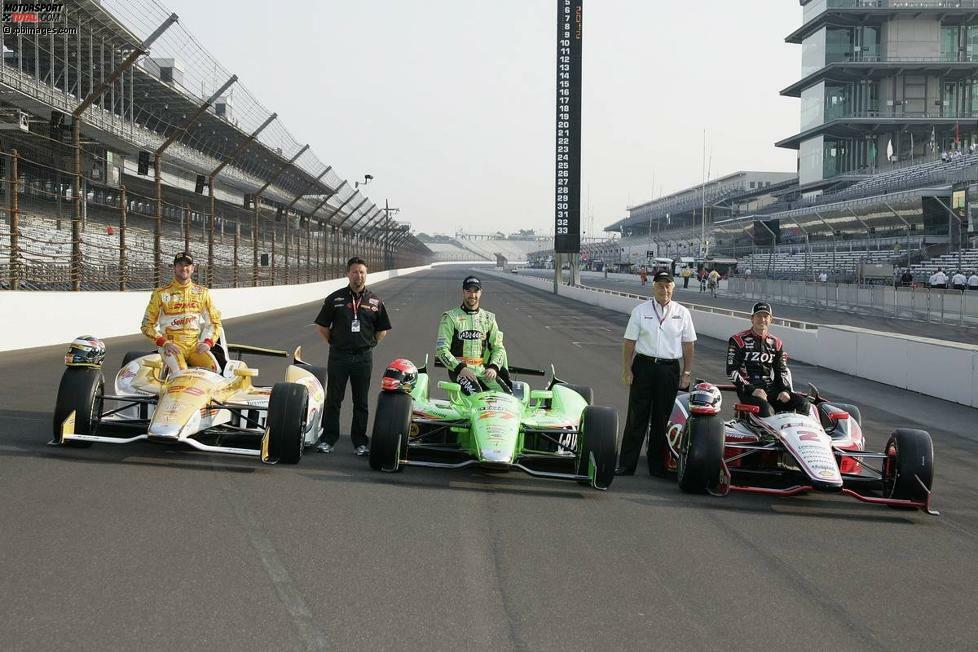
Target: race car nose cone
{"x": 495, "y": 456}
{"x": 166, "y": 430}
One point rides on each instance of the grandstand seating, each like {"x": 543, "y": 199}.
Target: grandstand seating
{"x": 950, "y": 262}
{"x": 804, "y": 264}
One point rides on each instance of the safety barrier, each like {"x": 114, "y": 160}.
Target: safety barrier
{"x": 44, "y": 318}
{"x": 946, "y": 370}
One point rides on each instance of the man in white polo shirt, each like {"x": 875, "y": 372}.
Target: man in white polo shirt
{"x": 659, "y": 334}
{"x": 973, "y": 281}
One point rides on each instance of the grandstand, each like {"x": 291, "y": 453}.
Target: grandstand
{"x": 170, "y": 149}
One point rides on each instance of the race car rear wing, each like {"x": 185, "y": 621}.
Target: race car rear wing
{"x": 256, "y": 350}
{"x": 525, "y": 371}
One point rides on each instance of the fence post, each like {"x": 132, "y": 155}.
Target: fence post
{"x": 12, "y": 179}
{"x": 234, "y": 263}
{"x": 186, "y": 228}
{"x": 123, "y": 208}
{"x": 254, "y": 245}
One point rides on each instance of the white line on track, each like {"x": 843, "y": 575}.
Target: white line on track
{"x": 313, "y": 637}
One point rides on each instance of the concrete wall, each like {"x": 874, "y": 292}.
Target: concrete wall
{"x": 947, "y": 370}
{"x": 29, "y": 319}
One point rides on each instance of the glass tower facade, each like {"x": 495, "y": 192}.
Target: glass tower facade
{"x": 882, "y": 83}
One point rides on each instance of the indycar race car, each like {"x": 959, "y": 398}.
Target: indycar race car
{"x": 548, "y": 433}
{"x": 789, "y": 453}
{"x": 213, "y": 412}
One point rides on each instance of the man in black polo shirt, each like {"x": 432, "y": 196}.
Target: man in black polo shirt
{"x": 352, "y": 321}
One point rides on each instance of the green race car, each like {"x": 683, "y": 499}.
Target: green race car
{"x": 548, "y": 433}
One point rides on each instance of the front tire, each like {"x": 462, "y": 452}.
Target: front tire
{"x": 700, "y": 454}
{"x": 598, "y": 438}
{"x": 908, "y": 470}
{"x": 392, "y": 425}
{"x": 287, "y": 408}
{"x": 80, "y": 392}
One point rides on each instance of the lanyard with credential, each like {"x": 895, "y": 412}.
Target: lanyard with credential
{"x": 665, "y": 311}
{"x": 355, "y": 324}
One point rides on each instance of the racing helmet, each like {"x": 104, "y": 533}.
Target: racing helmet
{"x": 85, "y": 351}
{"x": 705, "y": 398}
{"x": 401, "y": 376}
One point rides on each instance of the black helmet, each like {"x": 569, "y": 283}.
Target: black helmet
{"x": 85, "y": 351}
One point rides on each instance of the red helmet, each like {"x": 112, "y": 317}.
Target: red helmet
{"x": 401, "y": 376}
{"x": 705, "y": 399}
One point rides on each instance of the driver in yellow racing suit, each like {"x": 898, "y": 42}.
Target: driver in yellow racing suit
{"x": 182, "y": 321}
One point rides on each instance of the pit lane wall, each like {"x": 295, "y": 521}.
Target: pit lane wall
{"x": 30, "y": 319}
{"x": 946, "y": 370}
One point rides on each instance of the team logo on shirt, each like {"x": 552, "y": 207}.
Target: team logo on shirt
{"x": 470, "y": 335}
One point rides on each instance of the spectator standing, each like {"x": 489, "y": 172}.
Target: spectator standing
{"x": 959, "y": 281}
{"x": 973, "y": 280}
{"x": 686, "y": 273}
{"x": 906, "y": 279}
{"x": 823, "y": 277}
{"x": 938, "y": 280}
{"x": 659, "y": 334}
{"x": 353, "y": 320}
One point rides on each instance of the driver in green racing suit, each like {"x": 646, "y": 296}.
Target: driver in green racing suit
{"x": 470, "y": 344}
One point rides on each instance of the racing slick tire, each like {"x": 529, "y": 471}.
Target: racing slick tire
{"x": 599, "y": 437}
{"x": 909, "y": 456}
{"x": 287, "y": 408}
{"x": 700, "y": 453}
{"x": 853, "y": 411}
{"x": 392, "y": 425}
{"x": 586, "y": 392}
{"x": 80, "y": 391}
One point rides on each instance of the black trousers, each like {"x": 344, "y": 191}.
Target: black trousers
{"x": 340, "y": 368}
{"x": 772, "y": 405}
{"x": 650, "y": 402}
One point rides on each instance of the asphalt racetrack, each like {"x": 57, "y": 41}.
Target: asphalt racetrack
{"x": 150, "y": 547}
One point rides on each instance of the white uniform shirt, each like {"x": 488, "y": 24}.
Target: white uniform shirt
{"x": 973, "y": 281}
{"x": 938, "y": 278}
{"x": 660, "y": 332}
{"x": 958, "y": 279}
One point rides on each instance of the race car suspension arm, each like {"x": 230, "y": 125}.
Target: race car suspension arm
{"x": 546, "y": 435}
{"x": 239, "y": 410}
{"x": 124, "y": 407}
{"x": 749, "y": 450}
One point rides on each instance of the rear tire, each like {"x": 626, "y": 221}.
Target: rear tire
{"x": 599, "y": 437}
{"x": 80, "y": 391}
{"x": 132, "y": 355}
{"x": 287, "y": 408}
{"x": 700, "y": 454}
{"x": 909, "y": 456}
{"x": 586, "y": 392}
{"x": 392, "y": 425}
{"x": 853, "y": 411}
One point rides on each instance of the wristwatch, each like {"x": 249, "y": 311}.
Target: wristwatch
{"x": 687, "y": 373}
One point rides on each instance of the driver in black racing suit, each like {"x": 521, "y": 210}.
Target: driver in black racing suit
{"x": 470, "y": 344}
{"x": 758, "y": 366}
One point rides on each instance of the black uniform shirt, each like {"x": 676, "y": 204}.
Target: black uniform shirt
{"x": 337, "y": 315}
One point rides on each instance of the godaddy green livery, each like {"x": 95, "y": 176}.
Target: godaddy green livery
{"x": 549, "y": 433}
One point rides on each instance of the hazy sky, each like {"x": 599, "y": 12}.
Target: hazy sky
{"x": 450, "y": 103}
